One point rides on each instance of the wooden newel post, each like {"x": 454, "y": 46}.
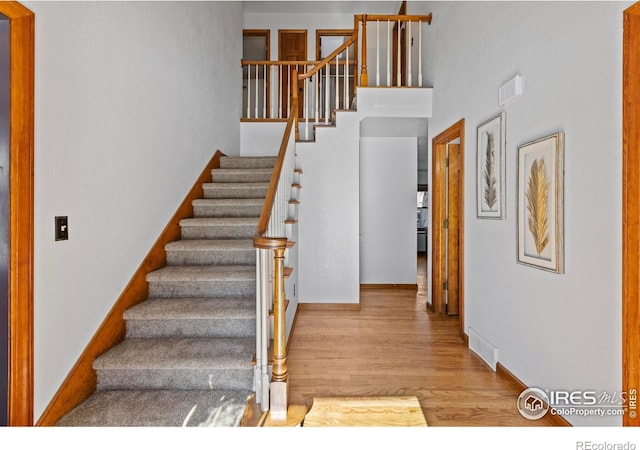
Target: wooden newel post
{"x": 279, "y": 382}
{"x": 364, "y": 76}
{"x": 294, "y": 99}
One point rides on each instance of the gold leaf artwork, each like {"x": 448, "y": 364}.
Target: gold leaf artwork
{"x": 537, "y": 199}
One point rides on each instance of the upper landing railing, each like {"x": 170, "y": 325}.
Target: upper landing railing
{"x": 383, "y": 51}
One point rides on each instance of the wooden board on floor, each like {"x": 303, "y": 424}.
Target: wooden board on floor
{"x": 365, "y": 411}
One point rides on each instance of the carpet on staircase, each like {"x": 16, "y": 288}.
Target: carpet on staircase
{"x": 187, "y": 356}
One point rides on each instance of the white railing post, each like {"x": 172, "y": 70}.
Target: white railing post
{"x": 420, "y": 53}
{"x": 389, "y": 31}
{"x": 378, "y": 53}
{"x": 306, "y": 110}
{"x": 264, "y": 93}
{"x": 337, "y": 82}
{"x": 316, "y": 90}
{"x": 248, "y": 91}
{"x": 346, "y": 80}
{"x": 289, "y": 96}
{"x": 257, "y": 86}
{"x": 410, "y": 39}
{"x": 327, "y": 92}
{"x": 398, "y": 72}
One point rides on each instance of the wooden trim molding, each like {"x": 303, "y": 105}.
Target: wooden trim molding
{"x": 450, "y": 134}
{"x": 556, "y": 419}
{"x": 631, "y": 208}
{"x": 409, "y": 287}
{"x": 328, "y": 306}
{"x": 81, "y": 381}
{"x": 21, "y": 188}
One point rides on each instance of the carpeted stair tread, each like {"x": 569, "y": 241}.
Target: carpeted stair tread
{"x": 192, "y": 317}
{"x": 235, "y": 190}
{"x": 211, "y": 251}
{"x": 218, "y": 227}
{"x": 260, "y": 175}
{"x": 202, "y": 273}
{"x": 175, "y": 353}
{"x": 177, "y": 363}
{"x": 160, "y": 408}
{"x": 228, "y": 207}
{"x": 237, "y": 162}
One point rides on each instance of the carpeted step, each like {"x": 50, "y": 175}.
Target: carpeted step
{"x": 196, "y": 252}
{"x": 262, "y": 175}
{"x": 218, "y": 227}
{"x": 192, "y": 317}
{"x": 177, "y": 363}
{"x": 235, "y": 190}
{"x": 247, "y": 162}
{"x": 160, "y": 408}
{"x": 235, "y": 207}
{"x": 202, "y": 281}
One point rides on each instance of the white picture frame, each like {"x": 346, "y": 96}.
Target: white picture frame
{"x": 491, "y": 171}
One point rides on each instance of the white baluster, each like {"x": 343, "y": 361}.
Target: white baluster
{"x": 327, "y": 92}
{"x": 288, "y": 90}
{"x": 280, "y": 82}
{"x": 399, "y": 73}
{"x": 378, "y": 53}
{"x": 346, "y": 80}
{"x": 248, "y": 91}
{"x": 409, "y": 54}
{"x": 420, "y": 54}
{"x": 306, "y": 109}
{"x": 389, "y": 31}
{"x": 264, "y": 93}
{"x": 316, "y": 90}
{"x": 337, "y": 82}
{"x": 257, "y": 71}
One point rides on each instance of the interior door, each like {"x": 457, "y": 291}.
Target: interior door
{"x": 292, "y": 46}
{"x": 452, "y": 230}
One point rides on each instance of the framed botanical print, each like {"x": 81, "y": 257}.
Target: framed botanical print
{"x": 541, "y": 203}
{"x": 491, "y": 142}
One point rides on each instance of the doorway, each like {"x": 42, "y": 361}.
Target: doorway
{"x": 256, "y": 78}
{"x": 448, "y": 223}
{"x": 292, "y": 46}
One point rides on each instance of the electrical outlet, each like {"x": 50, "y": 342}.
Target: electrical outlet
{"x": 62, "y": 228}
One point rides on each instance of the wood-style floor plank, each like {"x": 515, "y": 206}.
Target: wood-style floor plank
{"x": 393, "y": 346}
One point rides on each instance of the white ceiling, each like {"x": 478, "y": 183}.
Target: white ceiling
{"x": 321, "y": 7}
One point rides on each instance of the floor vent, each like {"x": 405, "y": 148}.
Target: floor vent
{"x": 483, "y": 348}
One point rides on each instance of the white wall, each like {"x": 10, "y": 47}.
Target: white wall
{"x": 328, "y": 247}
{"x": 388, "y": 180}
{"x": 570, "y": 55}
{"x": 132, "y": 100}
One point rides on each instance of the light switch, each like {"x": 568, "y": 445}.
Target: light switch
{"x": 62, "y": 228}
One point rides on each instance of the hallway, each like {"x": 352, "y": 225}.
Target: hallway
{"x": 393, "y": 346}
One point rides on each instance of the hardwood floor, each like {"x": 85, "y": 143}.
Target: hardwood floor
{"x": 394, "y": 346}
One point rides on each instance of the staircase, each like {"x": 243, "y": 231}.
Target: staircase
{"x": 187, "y": 356}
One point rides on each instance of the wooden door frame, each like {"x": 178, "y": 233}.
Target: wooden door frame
{"x": 21, "y": 129}
{"x": 456, "y": 131}
{"x": 631, "y": 207}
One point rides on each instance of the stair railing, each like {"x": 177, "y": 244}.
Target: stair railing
{"x": 270, "y": 242}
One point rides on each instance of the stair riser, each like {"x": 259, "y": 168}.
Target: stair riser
{"x": 175, "y": 379}
{"x": 227, "y": 210}
{"x": 191, "y": 328}
{"x": 238, "y": 232}
{"x": 167, "y": 289}
{"x": 234, "y": 193}
{"x": 230, "y": 177}
{"x": 228, "y": 258}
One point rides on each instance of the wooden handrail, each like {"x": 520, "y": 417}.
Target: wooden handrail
{"x": 260, "y": 240}
{"x": 286, "y": 63}
{"x": 395, "y": 18}
{"x": 329, "y": 58}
